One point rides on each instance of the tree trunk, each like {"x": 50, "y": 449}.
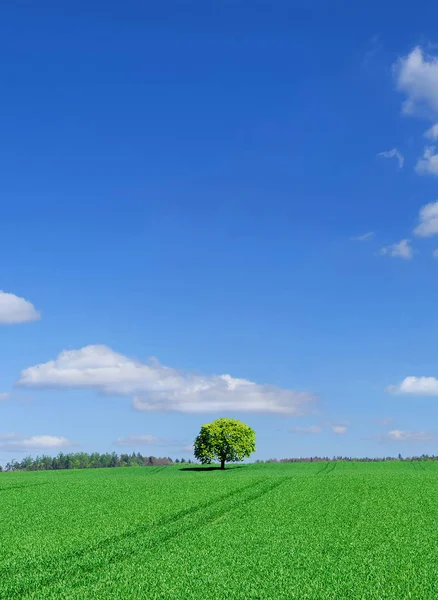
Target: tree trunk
{"x": 222, "y": 464}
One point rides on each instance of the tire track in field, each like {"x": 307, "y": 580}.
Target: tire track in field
{"x": 328, "y": 468}
{"x": 193, "y": 521}
{"x": 142, "y": 527}
{"x": 419, "y": 466}
{"x": 333, "y": 467}
{"x": 157, "y": 470}
{"x": 83, "y": 564}
{"x": 322, "y": 469}
{"x": 21, "y": 486}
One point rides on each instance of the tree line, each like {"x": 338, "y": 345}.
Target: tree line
{"x": 349, "y": 459}
{"x": 83, "y": 460}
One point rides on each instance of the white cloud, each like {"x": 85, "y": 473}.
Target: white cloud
{"x": 417, "y": 77}
{"x": 141, "y": 440}
{"x": 10, "y": 436}
{"x": 396, "y": 435}
{"x": 16, "y": 442}
{"x": 427, "y": 220}
{"x": 313, "y": 429}
{"x": 365, "y": 237}
{"x": 16, "y": 310}
{"x": 400, "y": 250}
{"x": 188, "y": 448}
{"x": 432, "y": 133}
{"x": 428, "y": 165}
{"x": 374, "y": 47}
{"x": 339, "y": 429}
{"x": 157, "y": 388}
{"x": 4, "y": 396}
{"x": 435, "y": 253}
{"x": 394, "y": 153}
{"x": 385, "y": 421}
{"x": 415, "y": 386}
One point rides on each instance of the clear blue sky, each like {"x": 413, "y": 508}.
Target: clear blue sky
{"x": 184, "y": 181}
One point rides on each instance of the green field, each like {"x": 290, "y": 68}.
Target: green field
{"x": 320, "y": 530}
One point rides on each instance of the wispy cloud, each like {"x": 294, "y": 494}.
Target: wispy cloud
{"x": 384, "y": 421}
{"x": 339, "y": 429}
{"x": 374, "y": 47}
{"x": 14, "y": 309}
{"x": 142, "y": 440}
{"x": 402, "y": 249}
{"x": 397, "y": 435}
{"x": 313, "y": 429}
{"x": 365, "y": 237}
{"x": 157, "y": 388}
{"x": 394, "y": 153}
{"x": 4, "y": 395}
{"x": 19, "y": 443}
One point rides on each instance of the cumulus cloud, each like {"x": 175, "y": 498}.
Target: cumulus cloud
{"x": 19, "y": 443}
{"x": 313, "y": 429}
{"x": 427, "y": 220}
{"x": 417, "y": 77}
{"x": 432, "y": 133}
{"x": 400, "y": 250}
{"x": 394, "y": 153}
{"x": 428, "y": 164}
{"x": 14, "y": 309}
{"x": 365, "y": 237}
{"x": 157, "y": 388}
{"x": 396, "y": 435}
{"x": 141, "y": 440}
{"x": 415, "y": 386}
{"x": 339, "y": 429}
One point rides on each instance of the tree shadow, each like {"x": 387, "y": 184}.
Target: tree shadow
{"x": 214, "y": 468}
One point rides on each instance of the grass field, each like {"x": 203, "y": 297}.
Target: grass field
{"x": 353, "y": 531}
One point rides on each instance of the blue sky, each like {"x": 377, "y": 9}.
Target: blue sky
{"x": 228, "y": 188}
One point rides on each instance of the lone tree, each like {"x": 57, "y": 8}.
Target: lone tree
{"x": 226, "y": 440}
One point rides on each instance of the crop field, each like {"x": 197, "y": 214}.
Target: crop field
{"x": 353, "y": 531}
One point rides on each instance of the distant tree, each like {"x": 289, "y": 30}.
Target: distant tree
{"x": 225, "y": 440}
{"x": 26, "y": 462}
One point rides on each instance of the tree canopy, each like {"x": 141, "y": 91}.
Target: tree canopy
{"x": 225, "y": 440}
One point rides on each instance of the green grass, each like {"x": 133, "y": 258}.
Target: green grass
{"x": 353, "y": 531}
